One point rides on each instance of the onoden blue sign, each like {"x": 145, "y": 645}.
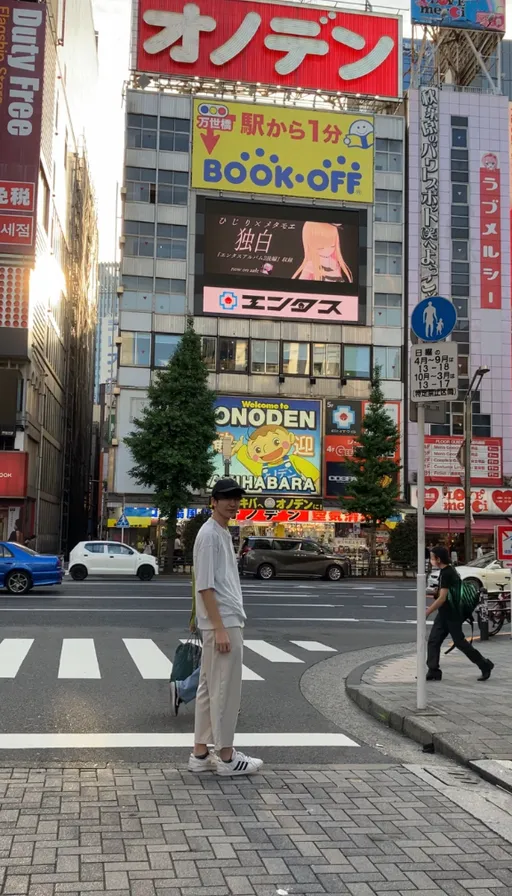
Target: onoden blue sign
{"x": 269, "y": 445}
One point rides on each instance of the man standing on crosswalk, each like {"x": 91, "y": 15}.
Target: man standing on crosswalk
{"x": 221, "y": 617}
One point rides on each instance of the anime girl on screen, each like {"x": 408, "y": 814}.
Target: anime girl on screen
{"x": 322, "y": 254}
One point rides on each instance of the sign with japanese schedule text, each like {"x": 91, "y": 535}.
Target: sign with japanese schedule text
{"x": 240, "y": 147}
{"x": 434, "y": 371}
{"x": 279, "y": 44}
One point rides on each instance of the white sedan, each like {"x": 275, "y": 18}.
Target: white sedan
{"x": 486, "y": 572}
{"x": 100, "y": 558}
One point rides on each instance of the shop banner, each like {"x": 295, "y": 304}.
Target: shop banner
{"x": 297, "y": 516}
{"x": 13, "y": 474}
{"x": 290, "y": 305}
{"x": 443, "y": 460}
{"x": 336, "y": 477}
{"x": 285, "y": 45}
{"x": 476, "y": 15}
{"x": 429, "y": 192}
{"x": 269, "y": 445}
{"x": 484, "y": 501}
{"x": 255, "y": 502}
{"x": 287, "y": 152}
{"x": 22, "y": 43}
{"x": 490, "y": 231}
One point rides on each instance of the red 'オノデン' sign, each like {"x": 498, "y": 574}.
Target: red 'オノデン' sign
{"x": 22, "y": 28}
{"x": 490, "y": 231}
{"x": 269, "y": 43}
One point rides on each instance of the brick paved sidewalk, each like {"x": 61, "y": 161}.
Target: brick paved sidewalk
{"x": 464, "y": 719}
{"x": 162, "y": 832}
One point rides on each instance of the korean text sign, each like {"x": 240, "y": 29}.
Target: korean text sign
{"x": 267, "y": 43}
{"x": 490, "y": 231}
{"x": 477, "y": 15}
{"x": 282, "y": 152}
{"x": 22, "y": 27}
{"x": 269, "y": 445}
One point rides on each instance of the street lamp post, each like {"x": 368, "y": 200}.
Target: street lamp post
{"x": 468, "y": 432}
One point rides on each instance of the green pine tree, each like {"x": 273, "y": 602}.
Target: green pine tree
{"x": 374, "y": 490}
{"x": 172, "y": 440}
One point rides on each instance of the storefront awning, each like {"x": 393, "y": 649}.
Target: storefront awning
{"x": 456, "y": 524}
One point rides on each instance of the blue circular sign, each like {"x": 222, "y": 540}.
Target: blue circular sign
{"x": 433, "y": 319}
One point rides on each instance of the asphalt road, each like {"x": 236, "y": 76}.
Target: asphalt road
{"x": 84, "y": 668}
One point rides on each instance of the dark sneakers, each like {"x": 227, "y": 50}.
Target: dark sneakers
{"x": 486, "y": 671}
{"x": 434, "y": 675}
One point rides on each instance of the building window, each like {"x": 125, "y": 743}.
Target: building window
{"x": 171, "y": 241}
{"x": 137, "y": 284}
{"x": 387, "y": 310}
{"x": 233, "y": 355}
{"x": 43, "y": 201}
{"x": 356, "y": 361}
{"x": 137, "y": 406}
{"x": 296, "y": 358}
{"x": 209, "y": 351}
{"x": 460, "y": 194}
{"x": 388, "y": 258}
{"x": 388, "y": 155}
{"x": 165, "y": 347}
{"x": 142, "y": 131}
{"x": 388, "y": 359}
{"x": 264, "y": 356}
{"x": 175, "y": 134}
{"x": 166, "y": 286}
{"x": 141, "y": 185}
{"x": 173, "y": 187}
{"x": 459, "y": 138}
{"x": 139, "y": 238}
{"x": 135, "y": 349}
{"x": 326, "y": 359}
{"x": 460, "y": 250}
{"x": 388, "y": 206}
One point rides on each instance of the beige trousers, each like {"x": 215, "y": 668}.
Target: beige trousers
{"x": 219, "y": 692}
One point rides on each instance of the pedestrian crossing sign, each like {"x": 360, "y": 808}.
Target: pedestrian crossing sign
{"x": 122, "y": 522}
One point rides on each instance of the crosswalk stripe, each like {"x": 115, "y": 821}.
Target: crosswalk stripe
{"x": 78, "y": 659}
{"x": 247, "y": 674}
{"x": 314, "y": 646}
{"x": 269, "y": 652}
{"x": 12, "y": 653}
{"x": 151, "y": 662}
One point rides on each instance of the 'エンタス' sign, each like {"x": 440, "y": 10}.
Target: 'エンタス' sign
{"x": 286, "y": 45}
{"x": 282, "y": 152}
{"x": 269, "y": 445}
{"x": 22, "y": 40}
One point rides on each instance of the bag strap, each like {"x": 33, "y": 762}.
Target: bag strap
{"x": 193, "y": 614}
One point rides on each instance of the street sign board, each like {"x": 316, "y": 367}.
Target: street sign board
{"x": 435, "y": 412}
{"x": 433, "y": 319}
{"x": 433, "y": 373}
{"x": 122, "y": 522}
{"x": 503, "y": 544}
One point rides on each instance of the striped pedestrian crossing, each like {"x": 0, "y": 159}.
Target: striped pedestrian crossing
{"x": 81, "y": 658}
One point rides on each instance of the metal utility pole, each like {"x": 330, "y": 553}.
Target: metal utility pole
{"x": 468, "y": 432}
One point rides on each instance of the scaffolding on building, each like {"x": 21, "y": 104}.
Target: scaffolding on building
{"x": 80, "y": 330}
{"x": 455, "y": 58}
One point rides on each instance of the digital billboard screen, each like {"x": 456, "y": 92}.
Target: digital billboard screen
{"x": 277, "y": 261}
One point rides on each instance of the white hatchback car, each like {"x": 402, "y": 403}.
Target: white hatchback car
{"x": 100, "y": 558}
{"x": 486, "y": 572}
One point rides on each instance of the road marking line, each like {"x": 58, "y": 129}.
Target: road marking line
{"x": 78, "y": 659}
{"x": 151, "y": 662}
{"x": 89, "y": 740}
{"x": 269, "y": 652}
{"x": 247, "y": 674}
{"x": 314, "y": 646}
{"x": 374, "y": 607}
{"x": 12, "y": 653}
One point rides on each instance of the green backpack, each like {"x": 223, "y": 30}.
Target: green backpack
{"x": 463, "y": 599}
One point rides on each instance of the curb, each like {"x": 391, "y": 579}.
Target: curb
{"x": 421, "y": 726}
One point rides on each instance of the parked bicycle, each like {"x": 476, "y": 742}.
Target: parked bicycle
{"x": 499, "y": 611}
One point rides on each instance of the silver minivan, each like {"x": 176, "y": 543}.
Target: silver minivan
{"x": 266, "y": 557}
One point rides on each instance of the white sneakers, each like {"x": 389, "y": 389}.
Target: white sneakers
{"x": 240, "y": 764}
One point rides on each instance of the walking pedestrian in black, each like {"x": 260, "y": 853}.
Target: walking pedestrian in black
{"x": 448, "y": 620}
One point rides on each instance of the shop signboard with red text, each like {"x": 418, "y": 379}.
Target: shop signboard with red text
{"x": 283, "y": 45}
{"x": 440, "y": 499}
{"x": 13, "y": 474}
{"x": 443, "y": 460}
{"x": 22, "y": 43}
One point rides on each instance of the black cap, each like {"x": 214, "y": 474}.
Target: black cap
{"x": 227, "y": 488}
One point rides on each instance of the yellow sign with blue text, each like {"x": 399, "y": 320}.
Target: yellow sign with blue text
{"x": 241, "y": 147}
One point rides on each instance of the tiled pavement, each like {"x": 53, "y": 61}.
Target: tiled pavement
{"x": 150, "y": 831}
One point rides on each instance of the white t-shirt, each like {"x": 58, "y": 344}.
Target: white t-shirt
{"x": 215, "y": 567}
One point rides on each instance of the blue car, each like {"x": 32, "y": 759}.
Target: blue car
{"x": 22, "y": 568}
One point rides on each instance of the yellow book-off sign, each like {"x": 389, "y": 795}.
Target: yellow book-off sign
{"x": 282, "y": 152}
